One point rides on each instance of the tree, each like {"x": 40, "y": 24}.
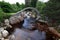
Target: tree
{"x": 6, "y": 7}
{"x": 30, "y": 3}
{"x": 15, "y": 7}
{"x": 52, "y": 11}
{"x": 27, "y": 3}
{"x": 33, "y": 3}
{"x": 40, "y": 6}
{"x": 17, "y": 4}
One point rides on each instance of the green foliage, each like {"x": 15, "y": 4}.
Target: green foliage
{"x": 17, "y": 8}
{"x": 40, "y": 6}
{"x": 17, "y": 4}
{"x": 21, "y": 6}
{"x": 2, "y": 14}
{"x": 14, "y": 7}
{"x": 33, "y": 3}
{"x": 52, "y": 10}
{"x": 11, "y": 8}
{"x": 30, "y": 3}
{"x": 6, "y": 7}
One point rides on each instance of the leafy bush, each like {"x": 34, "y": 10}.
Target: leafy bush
{"x": 6, "y": 7}
{"x": 2, "y": 14}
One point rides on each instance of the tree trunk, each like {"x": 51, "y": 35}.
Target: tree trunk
{"x": 30, "y": 3}
{"x": 27, "y": 3}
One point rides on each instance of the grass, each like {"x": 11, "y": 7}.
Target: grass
{"x": 10, "y": 13}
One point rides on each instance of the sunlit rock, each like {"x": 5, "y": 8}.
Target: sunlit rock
{"x": 5, "y": 33}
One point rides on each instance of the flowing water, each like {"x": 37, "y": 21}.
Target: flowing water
{"x": 25, "y": 35}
